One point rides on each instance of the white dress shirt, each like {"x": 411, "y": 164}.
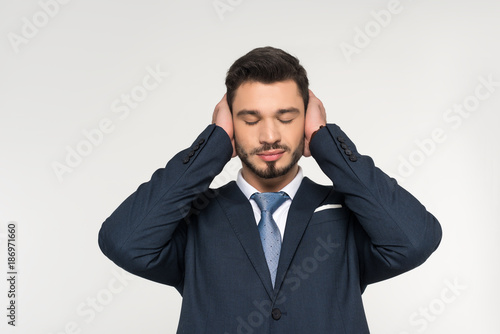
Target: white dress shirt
{"x": 281, "y": 213}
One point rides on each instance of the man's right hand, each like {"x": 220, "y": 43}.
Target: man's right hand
{"x": 222, "y": 117}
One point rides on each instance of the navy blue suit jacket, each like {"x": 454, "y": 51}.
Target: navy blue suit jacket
{"x": 176, "y": 230}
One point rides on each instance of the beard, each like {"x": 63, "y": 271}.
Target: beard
{"x": 270, "y": 171}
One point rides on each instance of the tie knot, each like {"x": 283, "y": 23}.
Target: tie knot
{"x": 269, "y": 201}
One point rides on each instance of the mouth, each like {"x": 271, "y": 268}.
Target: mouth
{"x": 271, "y": 155}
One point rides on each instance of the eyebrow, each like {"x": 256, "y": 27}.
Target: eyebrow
{"x": 244, "y": 112}
{"x": 283, "y": 111}
{"x": 288, "y": 110}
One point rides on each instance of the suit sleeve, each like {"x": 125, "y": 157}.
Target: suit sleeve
{"x": 393, "y": 231}
{"x": 146, "y": 234}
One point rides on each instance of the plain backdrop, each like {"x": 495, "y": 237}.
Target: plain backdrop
{"x": 414, "y": 83}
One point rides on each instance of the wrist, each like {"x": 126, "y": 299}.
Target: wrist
{"x": 314, "y": 133}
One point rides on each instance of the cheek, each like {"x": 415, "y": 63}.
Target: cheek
{"x": 296, "y": 133}
{"x": 242, "y": 134}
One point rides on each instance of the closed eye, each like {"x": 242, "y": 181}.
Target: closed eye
{"x": 286, "y": 116}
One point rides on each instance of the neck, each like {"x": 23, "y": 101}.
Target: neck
{"x": 269, "y": 185}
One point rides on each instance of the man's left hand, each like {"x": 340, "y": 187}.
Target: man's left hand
{"x": 315, "y": 117}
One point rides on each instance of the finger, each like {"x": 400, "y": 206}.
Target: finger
{"x": 307, "y": 152}
{"x": 218, "y": 107}
{"x": 214, "y": 115}
{"x": 234, "y": 148}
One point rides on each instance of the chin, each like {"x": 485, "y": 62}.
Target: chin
{"x": 269, "y": 170}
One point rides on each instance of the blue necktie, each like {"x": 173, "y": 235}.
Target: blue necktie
{"x": 270, "y": 235}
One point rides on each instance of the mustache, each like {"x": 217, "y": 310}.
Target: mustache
{"x": 267, "y": 147}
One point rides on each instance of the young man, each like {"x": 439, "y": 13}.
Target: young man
{"x": 272, "y": 252}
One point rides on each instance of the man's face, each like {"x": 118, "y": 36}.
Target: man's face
{"x": 268, "y": 127}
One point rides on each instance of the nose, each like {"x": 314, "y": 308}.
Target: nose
{"x": 269, "y": 133}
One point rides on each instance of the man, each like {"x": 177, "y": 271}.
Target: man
{"x": 272, "y": 252}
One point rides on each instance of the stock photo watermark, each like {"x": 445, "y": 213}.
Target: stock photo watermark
{"x": 363, "y": 36}
{"x": 31, "y": 26}
{"x": 453, "y": 118}
{"x": 12, "y": 273}
{"x": 224, "y": 7}
{"x": 88, "y": 309}
{"x": 121, "y": 108}
{"x": 421, "y": 319}
{"x": 296, "y": 276}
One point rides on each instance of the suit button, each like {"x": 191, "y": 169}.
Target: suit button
{"x": 191, "y": 153}
{"x": 341, "y": 139}
{"x": 196, "y": 147}
{"x": 201, "y": 141}
{"x": 343, "y": 145}
{"x": 276, "y": 313}
{"x": 353, "y": 158}
{"x": 348, "y": 152}
{"x": 185, "y": 160}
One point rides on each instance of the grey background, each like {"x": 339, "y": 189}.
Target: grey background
{"x": 388, "y": 96}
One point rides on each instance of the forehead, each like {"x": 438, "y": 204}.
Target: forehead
{"x": 262, "y": 97}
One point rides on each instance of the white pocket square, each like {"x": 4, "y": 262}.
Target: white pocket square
{"x": 328, "y": 206}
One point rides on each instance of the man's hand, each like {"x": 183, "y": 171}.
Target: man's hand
{"x": 222, "y": 117}
{"x": 315, "y": 117}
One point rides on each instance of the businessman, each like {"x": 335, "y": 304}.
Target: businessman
{"x": 272, "y": 252}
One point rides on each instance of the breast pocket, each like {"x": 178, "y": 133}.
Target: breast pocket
{"x": 331, "y": 223}
{"x": 329, "y": 213}
{"x": 325, "y": 240}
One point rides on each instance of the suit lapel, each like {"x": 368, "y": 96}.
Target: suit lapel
{"x": 240, "y": 215}
{"x": 309, "y": 196}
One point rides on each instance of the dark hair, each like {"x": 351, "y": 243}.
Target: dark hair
{"x": 266, "y": 65}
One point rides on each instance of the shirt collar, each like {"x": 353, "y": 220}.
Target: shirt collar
{"x": 291, "y": 188}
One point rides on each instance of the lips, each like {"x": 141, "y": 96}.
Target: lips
{"x": 271, "y": 155}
